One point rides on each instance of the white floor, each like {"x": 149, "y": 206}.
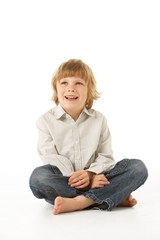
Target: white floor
{"x": 22, "y": 216}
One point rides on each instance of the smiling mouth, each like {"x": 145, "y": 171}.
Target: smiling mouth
{"x": 71, "y": 98}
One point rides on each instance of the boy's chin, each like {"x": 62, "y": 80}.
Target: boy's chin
{"x": 75, "y": 107}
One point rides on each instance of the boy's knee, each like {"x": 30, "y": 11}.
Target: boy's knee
{"x": 35, "y": 181}
{"x": 39, "y": 175}
{"x": 42, "y": 175}
{"x": 139, "y": 168}
{"x": 35, "y": 178}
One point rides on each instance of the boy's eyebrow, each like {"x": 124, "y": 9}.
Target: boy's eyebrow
{"x": 78, "y": 79}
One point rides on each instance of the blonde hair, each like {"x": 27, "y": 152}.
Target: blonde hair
{"x": 76, "y": 68}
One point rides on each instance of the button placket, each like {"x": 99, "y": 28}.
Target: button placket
{"x": 78, "y": 164}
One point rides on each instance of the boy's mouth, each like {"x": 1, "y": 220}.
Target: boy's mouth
{"x": 71, "y": 98}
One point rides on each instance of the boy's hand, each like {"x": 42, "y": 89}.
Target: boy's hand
{"x": 80, "y": 179}
{"x": 99, "y": 181}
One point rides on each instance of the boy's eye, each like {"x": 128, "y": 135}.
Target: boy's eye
{"x": 79, "y": 83}
{"x": 63, "y": 83}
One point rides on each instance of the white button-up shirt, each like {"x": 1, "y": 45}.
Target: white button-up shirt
{"x": 72, "y": 146}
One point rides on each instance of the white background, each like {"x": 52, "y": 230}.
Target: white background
{"x": 120, "y": 41}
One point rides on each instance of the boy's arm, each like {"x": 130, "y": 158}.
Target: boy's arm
{"x": 47, "y": 150}
{"x": 104, "y": 160}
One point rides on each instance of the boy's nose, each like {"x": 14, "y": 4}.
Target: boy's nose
{"x": 71, "y": 90}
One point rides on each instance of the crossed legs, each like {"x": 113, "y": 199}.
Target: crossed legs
{"x": 48, "y": 182}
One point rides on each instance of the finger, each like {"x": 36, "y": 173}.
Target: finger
{"x": 104, "y": 182}
{"x": 104, "y": 179}
{"x": 82, "y": 186}
{"x": 100, "y": 184}
{"x": 97, "y": 186}
{"x": 76, "y": 174}
{"x": 78, "y": 183}
{"x": 73, "y": 176}
{"x": 77, "y": 178}
{"x": 74, "y": 180}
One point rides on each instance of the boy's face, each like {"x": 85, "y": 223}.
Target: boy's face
{"x": 72, "y": 94}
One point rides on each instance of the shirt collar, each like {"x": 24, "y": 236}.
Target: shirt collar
{"x": 59, "y": 112}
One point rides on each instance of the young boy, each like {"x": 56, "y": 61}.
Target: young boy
{"x": 74, "y": 144}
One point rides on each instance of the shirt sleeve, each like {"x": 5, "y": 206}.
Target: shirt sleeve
{"x": 47, "y": 150}
{"x": 104, "y": 160}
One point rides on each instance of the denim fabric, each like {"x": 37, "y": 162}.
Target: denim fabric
{"x": 128, "y": 174}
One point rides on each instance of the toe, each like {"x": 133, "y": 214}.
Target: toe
{"x": 130, "y": 198}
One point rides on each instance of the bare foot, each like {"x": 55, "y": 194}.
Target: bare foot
{"x": 71, "y": 204}
{"x": 128, "y": 202}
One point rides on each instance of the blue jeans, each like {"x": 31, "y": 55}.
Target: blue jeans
{"x": 128, "y": 174}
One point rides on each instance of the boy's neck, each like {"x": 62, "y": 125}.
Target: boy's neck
{"x": 75, "y": 115}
